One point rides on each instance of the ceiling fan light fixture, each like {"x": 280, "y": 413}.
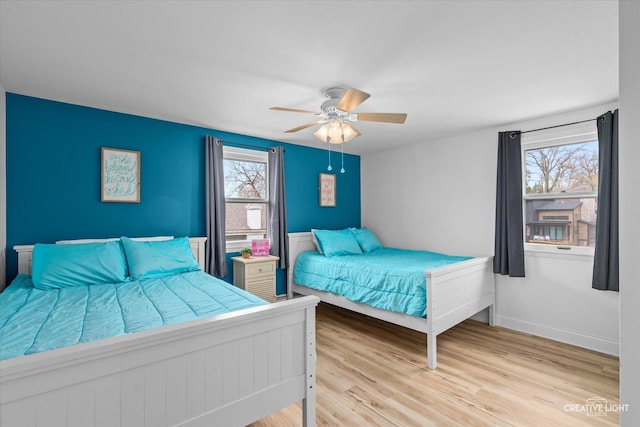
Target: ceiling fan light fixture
{"x": 337, "y": 113}
{"x": 336, "y": 132}
{"x": 349, "y": 132}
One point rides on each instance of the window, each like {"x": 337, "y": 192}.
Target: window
{"x": 560, "y": 180}
{"x": 247, "y": 196}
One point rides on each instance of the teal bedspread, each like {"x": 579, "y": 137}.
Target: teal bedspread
{"x": 388, "y": 278}
{"x": 32, "y": 320}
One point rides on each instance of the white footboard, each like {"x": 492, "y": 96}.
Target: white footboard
{"x": 226, "y": 370}
{"x": 455, "y": 293}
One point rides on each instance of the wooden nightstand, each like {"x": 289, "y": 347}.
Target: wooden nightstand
{"x": 256, "y": 275}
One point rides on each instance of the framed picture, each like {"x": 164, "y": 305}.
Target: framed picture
{"x": 327, "y": 190}
{"x": 120, "y": 175}
{"x": 260, "y": 247}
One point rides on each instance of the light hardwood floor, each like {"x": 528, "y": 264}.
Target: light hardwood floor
{"x": 371, "y": 373}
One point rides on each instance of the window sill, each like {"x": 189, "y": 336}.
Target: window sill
{"x": 552, "y": 251}
{"x": 236, "y": 245}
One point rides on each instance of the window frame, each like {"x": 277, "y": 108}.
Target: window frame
{"x": 565, "y": 135}
{"x": 246, "y": 155}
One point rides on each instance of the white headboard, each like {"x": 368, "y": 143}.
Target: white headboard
{"x": 25, "y": 252}
{"x": 298, "y": 243}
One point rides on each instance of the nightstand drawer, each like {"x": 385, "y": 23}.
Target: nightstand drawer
{"x": 260, "y": 269}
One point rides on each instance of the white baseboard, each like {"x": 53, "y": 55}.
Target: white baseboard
{"x": 568, "y": 337}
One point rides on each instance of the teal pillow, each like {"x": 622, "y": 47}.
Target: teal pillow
{"x": 335, "y": 243}
{"x": 64, "y": 266}
{"x": 366, "y": 239}
{"x": 158, "y": 258}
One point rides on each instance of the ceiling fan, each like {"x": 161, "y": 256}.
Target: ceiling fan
{"x": 337, "y": 114}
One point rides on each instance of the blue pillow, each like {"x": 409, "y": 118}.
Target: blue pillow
{"x": 158, "y": 258}
{"x": 335, "y": 243}
{"x": 366, "y": 239}
{"x": 64, "y": 266}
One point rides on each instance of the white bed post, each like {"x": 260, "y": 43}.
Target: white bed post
{"x": 431, "y": 351}
{"x": 431, "y": 324}
{"x": 309, "y": 402}
{"x": 492, "y": 307}
{"x": 492, "y": 315}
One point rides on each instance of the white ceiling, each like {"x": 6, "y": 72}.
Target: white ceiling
{"x": 452, "y": 66}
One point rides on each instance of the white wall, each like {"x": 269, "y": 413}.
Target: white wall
{"x": 434, "y": 195}
{"x": 3, "y": 186}
{"x": 440, "y": 196}
{"x": 629, "y": 210}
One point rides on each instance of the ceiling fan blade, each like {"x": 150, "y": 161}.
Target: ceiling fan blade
{"x": 304, "y": 126}
{"x": 382, "y": 117}
{"x": 352, "y": 99}
{"x": 294, "y": 110}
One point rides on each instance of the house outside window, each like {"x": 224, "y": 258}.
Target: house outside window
{"x": 246, "y": 196}
{"x": 560, "y": 188}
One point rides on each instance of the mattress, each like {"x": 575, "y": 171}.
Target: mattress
{"x": 387, "y": 278}
{"x": 33, "y": 320}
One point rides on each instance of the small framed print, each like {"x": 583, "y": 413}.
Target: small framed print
{"x": 260, "y": 247}
{"x": 327, "y": 190}
{"x": 120, "y": 175}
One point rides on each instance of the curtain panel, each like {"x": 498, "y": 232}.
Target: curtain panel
{"x": 216, "y": 251}
{"x": 508, "y": 257}
{"x": 277, "y": 207}
{"x": 606, "y": 257}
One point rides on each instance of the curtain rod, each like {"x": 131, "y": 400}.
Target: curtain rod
{"x": 252, "y": 147}
{"x": 552, "y": 127}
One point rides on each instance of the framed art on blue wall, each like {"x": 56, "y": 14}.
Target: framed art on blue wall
{"x": 120, "y": 175}
{"x": 327, "y": 190}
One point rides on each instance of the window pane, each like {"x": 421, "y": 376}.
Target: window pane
{"x": 245, "y": 180}
{"x": 566, "y": 222}
{"x": 562, "y": 168}
{"x": 246, "y": 221}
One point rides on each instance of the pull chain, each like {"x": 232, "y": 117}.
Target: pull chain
{"x": 342, "y": 150}
{"x": 329, "y": 167}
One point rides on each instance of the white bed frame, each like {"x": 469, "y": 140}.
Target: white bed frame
{"x": 455, "y": 293}
{"x": 225, "y": 370}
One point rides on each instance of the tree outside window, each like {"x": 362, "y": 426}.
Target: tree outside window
{"x": 246, "y": 193}
{"x": 560, "y": 194}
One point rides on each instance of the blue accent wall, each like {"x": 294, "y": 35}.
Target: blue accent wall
{"x": 53, "y": 177}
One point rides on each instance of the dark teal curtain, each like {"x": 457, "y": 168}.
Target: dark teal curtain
{"x": 277, "y": 207}
{"x": 508, "y": 258}
{"x": 216, "y": 250}
{"x": 606, "y": 257}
